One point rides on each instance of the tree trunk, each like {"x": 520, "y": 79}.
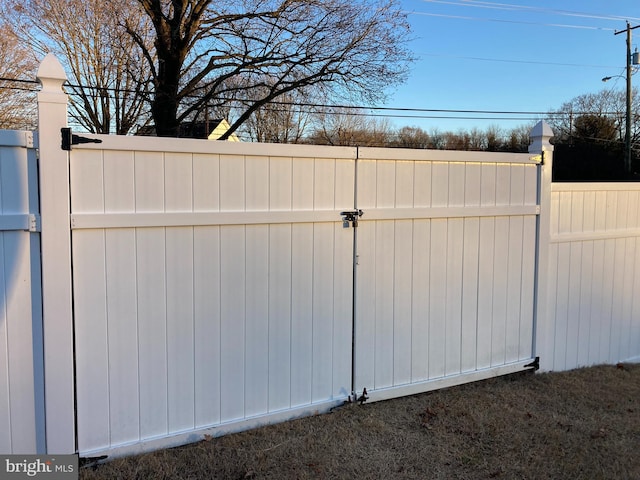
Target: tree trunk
{"x": 164, "y": 107}
{"x": 164, "y": 110}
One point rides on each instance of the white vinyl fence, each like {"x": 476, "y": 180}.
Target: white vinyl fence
{"x": 193, "y": 287}
{"x": 445, "y": 267}
{"x": 594, "y": 275}
{"x": 21, "y": 363}
{"x": 217, "y": 288}
{"x": 209, "y": 288}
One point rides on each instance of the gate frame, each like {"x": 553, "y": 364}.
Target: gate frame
{"x": 57, "y": 295}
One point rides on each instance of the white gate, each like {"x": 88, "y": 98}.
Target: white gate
{"x": 213, "y": 283}
{"x": 211, "y": 290}
{"x": 446, "y": 257}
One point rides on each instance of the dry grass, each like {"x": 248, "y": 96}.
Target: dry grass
{"x": 572, "y": 425}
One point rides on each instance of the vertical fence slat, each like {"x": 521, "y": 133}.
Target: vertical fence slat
{"x": 232, "y": 329}
{"x": 402, "y": 314}
{"x": 437, "y": 298}
{"x": 90, "y": 306}
{"x": 152, "y": 331}
{"x": 453, "y": 326}
{"x": 122, "y": 335}
{"x": 421, "y": 296}
{"x": 279, "y": 314}
{"x": 468, "y": 345}
{"x": 206, "y": 245}
{"x": 180, "y": 328}
{"x": 257, "y": 320}
{"x": 301, "y": 314}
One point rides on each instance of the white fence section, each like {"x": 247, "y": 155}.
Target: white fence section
{"x": 216, "y": 289}
{"x": 21, "y": 363}
{"x": 209, "y": 288}
{"x": 594, "y": 275}
{"x": 446, "y": 267}
{"x": 177, "y": 288}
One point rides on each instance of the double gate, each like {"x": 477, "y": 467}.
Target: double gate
{"x": 218, "y": 287}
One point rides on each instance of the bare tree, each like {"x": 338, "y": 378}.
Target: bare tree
{"x": 606, "y": 103}
{"x": 411, "y": 137}
{"x": 17, "y": 100}
{"x": 352, "y": 48}
{"x": 108, "y": 77}
{"x": 517, "y": 139}
{"x": 285, "y": 120}
{"x": 350, "y": 127}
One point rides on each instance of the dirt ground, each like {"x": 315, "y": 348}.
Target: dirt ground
{"x": 583, "y": 424}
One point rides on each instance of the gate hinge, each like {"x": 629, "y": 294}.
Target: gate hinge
{"x": 364, "y": 397}
{"x": 353, "y": 398}
{"x": 535, "y": 365}
{"x": 537, "y": 159}
{"x": 351, "y": 216}
{"x": 69, "y": 139}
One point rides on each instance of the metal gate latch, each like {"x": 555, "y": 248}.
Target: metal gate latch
{"x": 351, "y": 216}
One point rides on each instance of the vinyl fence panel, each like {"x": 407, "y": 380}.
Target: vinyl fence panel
{"x": 445, "y": 267}
{"x": 21, "y": 362}
{"x": 210, "y": 288}
{"x": 594, "y": 273}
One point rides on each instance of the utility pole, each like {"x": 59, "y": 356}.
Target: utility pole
{"x": 627, "y": 134}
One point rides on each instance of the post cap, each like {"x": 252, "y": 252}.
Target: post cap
{"x": 51, "y": 74}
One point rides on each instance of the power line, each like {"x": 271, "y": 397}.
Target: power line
{"x": 506, "y": 60}
{"x": 528, "y": 8}
{"x": 365, "y": 111}
{"x": 519, "y": 22}
{"x": 18, "y": 80}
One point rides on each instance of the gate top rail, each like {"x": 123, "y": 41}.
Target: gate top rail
{"x": 212, "y": 147}
{"x": 373, "y": 153}
{"x": 200, "y": 146}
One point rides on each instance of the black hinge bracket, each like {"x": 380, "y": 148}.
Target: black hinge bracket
{"x": 69, "y": 139}
{"x": 362, "y": 398}
{"x": 535, "y": 365}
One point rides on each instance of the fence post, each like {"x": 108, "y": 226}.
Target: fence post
{"x": 56, "y": 260}
{"x": 543, "y": 333}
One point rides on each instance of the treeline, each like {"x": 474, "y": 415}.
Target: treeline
{"x": 493, "y": 139}
{"x": 350, "y": 127}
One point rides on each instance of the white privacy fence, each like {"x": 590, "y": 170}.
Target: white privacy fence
{"x": 21, "y": 364}
{"x": 445, "y": 267}
{"x": 212, "y": 289}
{"x": 193, "y": 287}
{"x": 594, "y": 275}
{"x": 209, "y": 288}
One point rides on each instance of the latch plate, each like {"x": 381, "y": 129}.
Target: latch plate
{"x": 350, "y": 218}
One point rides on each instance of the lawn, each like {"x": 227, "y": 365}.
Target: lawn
{"x": 582, "y": 424}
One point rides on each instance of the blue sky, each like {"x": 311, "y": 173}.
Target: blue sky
{"x": 528, "y": 55}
